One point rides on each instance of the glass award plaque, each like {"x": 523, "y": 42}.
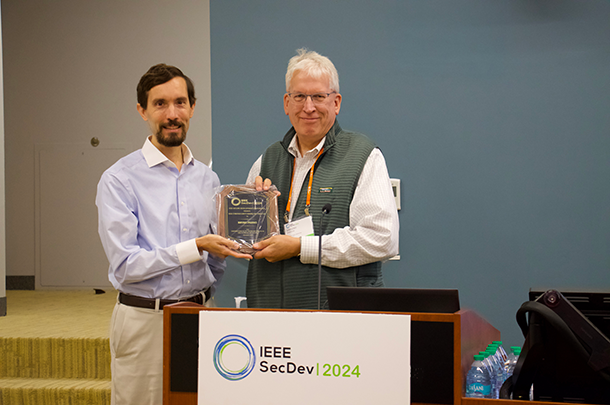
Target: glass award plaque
{"x": 246, "y": 216}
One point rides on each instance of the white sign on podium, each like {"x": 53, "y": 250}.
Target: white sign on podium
{"x": 278, "y": 357}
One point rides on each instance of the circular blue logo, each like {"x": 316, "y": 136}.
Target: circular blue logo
{"x": 234, "y": 357}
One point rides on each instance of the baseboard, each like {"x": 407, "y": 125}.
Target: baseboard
{"x": 20, "y": 283}
{"x": 2, "y": 306}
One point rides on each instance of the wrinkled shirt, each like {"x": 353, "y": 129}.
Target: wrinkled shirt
{"x": 149, "y": 215}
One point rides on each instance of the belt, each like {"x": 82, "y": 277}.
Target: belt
{"x": 150, "y": 303}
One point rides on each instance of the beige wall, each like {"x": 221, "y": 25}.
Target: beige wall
{"x": 70, "y": 72}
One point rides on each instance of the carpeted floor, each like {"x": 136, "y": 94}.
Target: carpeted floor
{"x": 57, "y": 314}
{"x": 54, "y": 348}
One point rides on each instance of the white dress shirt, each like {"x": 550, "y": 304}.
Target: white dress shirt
{"x": 373, "y": 231}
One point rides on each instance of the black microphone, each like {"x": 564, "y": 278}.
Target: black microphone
{"x": 325, "y": 210}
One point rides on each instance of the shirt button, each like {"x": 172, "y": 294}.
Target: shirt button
{"x": 182, "y": 203}
{"x": 184, "y": 229}
{"x": 188, "y": 281}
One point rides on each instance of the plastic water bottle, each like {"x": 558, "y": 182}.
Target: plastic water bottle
{"x": 495, "y": 351}
{"x": 487, "y": 362}
{"x": 503, "y": 357}
{"x": 515, "y": 351}
{"x": 502, "y": 360}
{"x": 478, "y": 380}
{"x": 491, "y": 366}
{"x": 501, "y": 350}
{"x": 498, "y": 371}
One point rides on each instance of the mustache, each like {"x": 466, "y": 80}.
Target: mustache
{"x": 172, "y": 123}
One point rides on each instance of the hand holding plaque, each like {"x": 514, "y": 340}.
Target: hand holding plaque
{"x": 245, "y": 215}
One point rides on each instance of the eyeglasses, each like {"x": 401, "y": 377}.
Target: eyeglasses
{"x": 317, "y": 98}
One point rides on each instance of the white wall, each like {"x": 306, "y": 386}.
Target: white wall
{"x": 70, "y": 72}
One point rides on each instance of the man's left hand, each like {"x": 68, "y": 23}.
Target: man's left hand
{"x": 278, "y": 247}
{"x": 220, "y": 247}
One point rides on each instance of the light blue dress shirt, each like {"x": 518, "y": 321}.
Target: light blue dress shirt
{"x": 149, "y": 216}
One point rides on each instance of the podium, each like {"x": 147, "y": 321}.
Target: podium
{"x": 442, "y": 348}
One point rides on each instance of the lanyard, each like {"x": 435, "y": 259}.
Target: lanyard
{"x": 308, "y": 202}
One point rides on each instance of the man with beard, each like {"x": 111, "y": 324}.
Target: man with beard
{"x": 156, "y": 218}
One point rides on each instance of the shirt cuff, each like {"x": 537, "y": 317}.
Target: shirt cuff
{"x": 309, "y": 249}
{"x": 188, "y": 252}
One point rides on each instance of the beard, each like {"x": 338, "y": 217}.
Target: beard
{"x": 172, "y": 139}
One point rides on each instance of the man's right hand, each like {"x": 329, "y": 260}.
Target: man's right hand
{"x": 278, "y": 247}
{"x": 220, "y": 247}
{"x": 262, "y": 185}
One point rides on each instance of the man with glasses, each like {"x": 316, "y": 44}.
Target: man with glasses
{"x": 320, "y": 165}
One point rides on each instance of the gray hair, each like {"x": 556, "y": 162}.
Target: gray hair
{"x": 314, "y": 65}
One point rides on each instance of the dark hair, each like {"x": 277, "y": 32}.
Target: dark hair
{"x": 160, "y": 74}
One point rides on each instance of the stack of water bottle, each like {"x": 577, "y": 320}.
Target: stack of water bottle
{"x": 489, "y": 371}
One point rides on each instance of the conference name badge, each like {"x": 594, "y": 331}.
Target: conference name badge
{"x": 299, "y": 227}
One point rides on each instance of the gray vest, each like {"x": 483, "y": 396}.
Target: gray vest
{"x": 289, "y": 283}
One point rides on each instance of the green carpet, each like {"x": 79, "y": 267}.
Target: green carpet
{"x": 54, "y": 358}
{"x": 54, "y": 348}
{"x": 26, "y": 391}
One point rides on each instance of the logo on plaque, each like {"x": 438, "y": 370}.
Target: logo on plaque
{"x": 234, "y": 357}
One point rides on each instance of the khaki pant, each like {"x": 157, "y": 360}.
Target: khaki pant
{"x": 136, "y": 347}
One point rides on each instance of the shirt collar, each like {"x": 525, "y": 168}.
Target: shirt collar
{"x": 293, "y": 148}
{"x": 154, "y": 156}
